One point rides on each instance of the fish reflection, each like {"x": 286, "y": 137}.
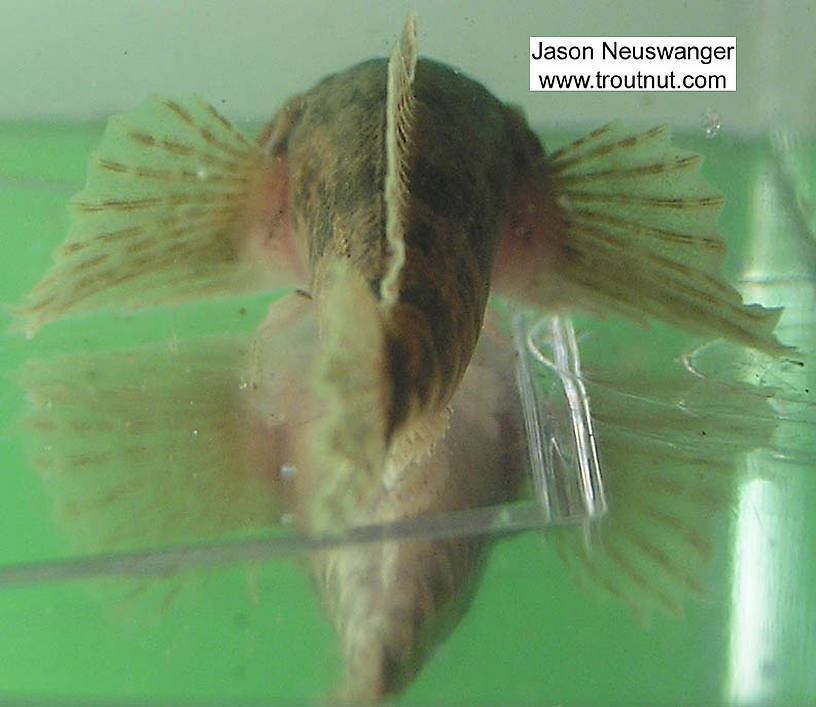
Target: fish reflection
{"x": 397, "y": 195}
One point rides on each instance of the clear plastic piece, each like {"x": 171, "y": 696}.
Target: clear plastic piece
{"x": 564, "y": 465}
{"x": 551, "y": 405}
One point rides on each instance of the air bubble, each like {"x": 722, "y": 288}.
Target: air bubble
{"x": 194, "y": 434}
{"x": 287, "y": 471}
{"x": 710, "y": 123}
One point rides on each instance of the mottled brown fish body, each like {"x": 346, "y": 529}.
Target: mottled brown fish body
{"x": 400, "y": 193}
{"x": 466, "y": 151}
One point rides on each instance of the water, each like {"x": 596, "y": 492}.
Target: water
{"x": 254, "y": 631}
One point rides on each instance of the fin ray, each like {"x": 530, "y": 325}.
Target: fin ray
{"x": 178, "y": 205}
{"x": 670, "y": 450}
{"x": 625, "y": 223}
{"x": 165, "y": 444}
{"x": 398, "y": 137}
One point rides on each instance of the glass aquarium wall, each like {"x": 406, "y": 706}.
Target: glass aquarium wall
{"x": 610, "y": 509}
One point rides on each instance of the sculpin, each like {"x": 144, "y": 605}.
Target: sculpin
{"x": 396, "y": 196}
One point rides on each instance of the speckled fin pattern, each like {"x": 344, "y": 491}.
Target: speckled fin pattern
{"x": 178, "y": 206}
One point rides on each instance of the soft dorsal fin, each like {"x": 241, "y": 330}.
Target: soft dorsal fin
{"x": 400, "y": 104}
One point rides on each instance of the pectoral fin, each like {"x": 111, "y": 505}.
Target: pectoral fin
{"x": 624, "y": 223}
{"x": 671, "y": 446}
{"x": 175, "y": 443}
{"x": 178, "y": 206}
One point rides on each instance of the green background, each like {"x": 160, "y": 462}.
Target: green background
{"x": 258, "y": 634}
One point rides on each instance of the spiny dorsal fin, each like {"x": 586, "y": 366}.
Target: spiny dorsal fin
{"x": 400, "y": 104}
